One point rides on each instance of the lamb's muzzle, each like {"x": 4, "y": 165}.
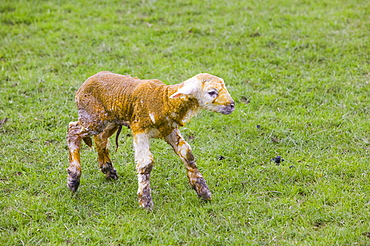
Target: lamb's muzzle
{"x": 228, "y": 109}
{"x": 151, "y": 109}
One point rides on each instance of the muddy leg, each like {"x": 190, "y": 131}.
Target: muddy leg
{"x": 74, "y": 135}
{"x": 144, "y": 164}
{"x": 101, "y": 143}
{"x": 183, "y": 150}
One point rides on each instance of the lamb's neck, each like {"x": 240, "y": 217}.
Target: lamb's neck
{"x": 183, "y": 108}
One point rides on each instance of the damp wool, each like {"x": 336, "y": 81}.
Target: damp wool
{"x": 151, "y": 109}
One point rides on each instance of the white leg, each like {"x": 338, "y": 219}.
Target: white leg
{"x": 144, "y": 164}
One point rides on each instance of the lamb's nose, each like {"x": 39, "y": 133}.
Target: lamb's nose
{"x": 232, "y": 104}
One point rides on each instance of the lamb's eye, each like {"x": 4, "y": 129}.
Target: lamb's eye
{"x": 213, "y": 93}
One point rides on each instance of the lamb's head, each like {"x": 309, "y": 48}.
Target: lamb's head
{"x": 210, "y": 91}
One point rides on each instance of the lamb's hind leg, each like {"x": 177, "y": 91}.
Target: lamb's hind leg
{"x": 74, "y": 136}
{"x": 183, "y": 150}
{"x": 101, "y": 143}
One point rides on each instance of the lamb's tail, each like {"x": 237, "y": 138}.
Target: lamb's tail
{"x": 119, "y": 131}
{"x": 117, "y": 135}
{"x": 88, "y": 140}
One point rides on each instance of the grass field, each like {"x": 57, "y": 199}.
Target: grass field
{"x": 298, "y": 70}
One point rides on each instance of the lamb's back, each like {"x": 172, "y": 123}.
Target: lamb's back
{"x": 121, "y": 96}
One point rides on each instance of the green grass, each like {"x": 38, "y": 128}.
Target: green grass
{"x": 304, "y": 66}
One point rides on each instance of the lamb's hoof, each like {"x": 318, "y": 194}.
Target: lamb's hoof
{"x": 73, "y": 180}
{"x": 146, "y": 202}
{"x": 147, "y": 205}
{"x": 73, "y": 184}
{"x": 205, "y": 194}
{"x": 202, "y": 190}
{"x": 206, "y": 197}
{"x": 112, "y": 175}
{"x": 109, "y": 171}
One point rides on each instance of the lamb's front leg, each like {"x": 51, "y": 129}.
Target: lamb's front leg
{"x": 144, "y": 164}
{"x": 183, "y": 150}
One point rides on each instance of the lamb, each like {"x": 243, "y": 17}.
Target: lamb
{"x": 151, "y": 109}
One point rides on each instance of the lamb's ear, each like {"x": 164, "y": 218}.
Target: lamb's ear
{"x": 187, "y": 89}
